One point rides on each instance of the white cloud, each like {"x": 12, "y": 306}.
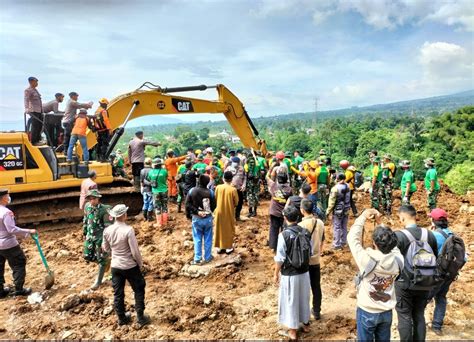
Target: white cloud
{"x": 381, "y": 14}
{"x": 446, "y": 63}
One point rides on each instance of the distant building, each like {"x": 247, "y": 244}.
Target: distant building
{"x": 235, "y": 140}
{"x": 224, "y": 134}
{"x": 310, "y": 131}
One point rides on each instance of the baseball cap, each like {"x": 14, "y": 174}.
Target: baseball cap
{"x": 438, "y": 213}
{"x": 31, "y": 78}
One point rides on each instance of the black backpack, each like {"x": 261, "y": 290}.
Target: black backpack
{"x": 298, "y": 242}
{"x": 359, "y": 179}
{"x": 452, "y": 256}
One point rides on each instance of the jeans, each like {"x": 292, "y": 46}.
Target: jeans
{"x": 315, "y": 279}
{"x": 83, "y": 140}
{"x": 202, "y": 229}
{"x": 276, "y": 226}
{"x": 67, "y": 127}
{"x": 136, "y": 281}
{"x": 411, "y": 313}
{"x": 147, "y": 201}
{"x": 373, "y": 326}
{"x": 440, "y": 304}
{"x": 340, "y": 230}
{"x": 316, "y": 209}
{"x": 17, "y": 262}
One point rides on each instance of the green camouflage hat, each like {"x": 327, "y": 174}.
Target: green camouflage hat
{"x": 93, "y": 193}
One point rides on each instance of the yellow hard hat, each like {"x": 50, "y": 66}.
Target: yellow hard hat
{"x": 313, "y": 164}
{"x": 104, "y": 100}
{"x": 198, "y": 151}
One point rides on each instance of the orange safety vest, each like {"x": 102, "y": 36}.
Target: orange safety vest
{"x": 101, "y": 121}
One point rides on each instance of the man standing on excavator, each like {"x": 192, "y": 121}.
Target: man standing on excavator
{"x": 136, "y": 156}
{"x": 33, "y": 107}
{"x": 52, "y": 119}
{"x": 103, "y": 129}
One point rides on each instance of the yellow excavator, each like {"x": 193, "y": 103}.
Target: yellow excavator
{"x": 45, "y": 187}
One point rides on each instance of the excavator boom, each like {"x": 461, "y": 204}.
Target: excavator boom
{"x": 163, "y": 101}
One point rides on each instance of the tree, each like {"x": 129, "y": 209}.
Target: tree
{"x": 189, "y": 140}
{"x": 203, "y": 133}
{"x": 461, "y": 178}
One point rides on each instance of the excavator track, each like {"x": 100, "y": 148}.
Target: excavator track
{"x": 53, "y": 207}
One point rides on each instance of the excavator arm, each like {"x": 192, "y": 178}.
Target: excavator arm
{"x": 162, "y": 101}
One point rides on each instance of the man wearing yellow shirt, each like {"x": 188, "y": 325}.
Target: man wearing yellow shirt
{"x": 388, "y": 173}
{"x": 350, "y": 180}
{"x": 376, "y": 182}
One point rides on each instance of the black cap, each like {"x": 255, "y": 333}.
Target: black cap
{"x": 58, "y": 95}
{"x": 31, "y": 78}
{"x": 73, "y": 93}
{"x": 3, "y": 192}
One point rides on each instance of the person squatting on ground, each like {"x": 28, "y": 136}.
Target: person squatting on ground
{"x": 126, "y": 265}
{"x": 239, "y": 182}
{"x": 34, "y": 108}
{"x": 280, "y": 191}
{"x": 316, "y": 228}
{"x": 146, "y": 190}
{"x": 431, "y": 183}
{"x": 378, "y": 269}
{"x": 136, "y": 156}
{"x": 376, "y": 183}
{"x": 171, "y": 165}
{"x": 81, "y": 123}
{"x": 292, "y": 274}
{"x": 103, "y": 129}
{"x": 252, "y": 171}
{"x": 419, "y": 248}
{"x": 158, "y": 178}
{"x": 227, "y": 200}
{"x": 96, "y": 219}
{"x": 407, "y": 184}
{"x": 200, "y": 203}
{"x": 10, "y": 249}
{"x": 386, "y": 188}
{"x": 70, "y": 115}
{"x": 339, "y": 206}
{"x": 441, "y": 231}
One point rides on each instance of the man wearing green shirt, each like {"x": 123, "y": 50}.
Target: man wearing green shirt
{"x": 158, "y": 177}
{"x": 297, "y": 181}
{"x": 200, "y": 166}
{"x": 407, "y": 185}
{"x": 431, "y": 183}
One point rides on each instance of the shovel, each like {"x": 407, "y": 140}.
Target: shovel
{"x": 49, "y": 277}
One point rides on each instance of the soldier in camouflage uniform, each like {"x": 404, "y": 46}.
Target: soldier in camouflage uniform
{"x": 388, "y": 173}
{"x": 252, "y": 185}
{"x": 96, "y": 218}
{"x": 432, "y": 185}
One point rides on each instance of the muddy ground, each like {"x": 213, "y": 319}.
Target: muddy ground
{"x": 237, "y": 300}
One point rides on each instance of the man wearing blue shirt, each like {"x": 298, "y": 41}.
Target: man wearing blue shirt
{"x": 439, "y": 224}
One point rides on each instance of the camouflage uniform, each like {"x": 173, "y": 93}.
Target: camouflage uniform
{"x": 386, "y": 196}
{"x": 95, "y": 220}
{"x": 377, "y": 189}
{"x": 252, "y": 186}
{"x": 432, "y": 198}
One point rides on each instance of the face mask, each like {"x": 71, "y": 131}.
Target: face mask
{"x": 234, "y": 165}
{"x": 427, "y": 166}
{"x": 9, "y": 200}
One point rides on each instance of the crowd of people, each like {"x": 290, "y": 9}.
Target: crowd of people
{"x": 64, "y": 129}
{"x": 402, "y": 270}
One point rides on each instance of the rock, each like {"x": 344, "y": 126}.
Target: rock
{"x": 195, "y": 271}
{"x": 207, "y": 300}
{"x": 67, "y": 334}
{"x": 70, "y": 302}
{"x": 108, "y": 337}
{"x": 185, "y": 233}
{"x": 212, "y": 316}
{"x": 229, "y": 260}
{"x": 188, "y": 244}
{"x": 35, "y": 298}
{"x": 108, "y": 310}
{"x": 233, "y": 327}
{"x": 62, "y": 254}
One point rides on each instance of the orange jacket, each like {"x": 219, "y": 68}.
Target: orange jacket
{"x": 80, "y": 125}
{"x": 171, "y": 165}
{"x": 101, "y": 121}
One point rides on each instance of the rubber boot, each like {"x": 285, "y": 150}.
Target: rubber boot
{"x": 143, "y": 319}
{"x": 150, "y": 216}
{"x": 136, "y": 183}
{"x": 145, "y": 215}
{"x": 165, "y": 219}
{"x": 250, "y": 214}
{"x": 179, "y": 207}
{"x": 159, "y": 221}
{"x": 254, "y": 212}
{"x": 125, "y": 319}
{"x": 99, "y": 278}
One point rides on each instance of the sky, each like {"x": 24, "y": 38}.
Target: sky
{"x": 277, "y": 56}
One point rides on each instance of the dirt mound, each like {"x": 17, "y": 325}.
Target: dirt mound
{"x": 236, "y": 299}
